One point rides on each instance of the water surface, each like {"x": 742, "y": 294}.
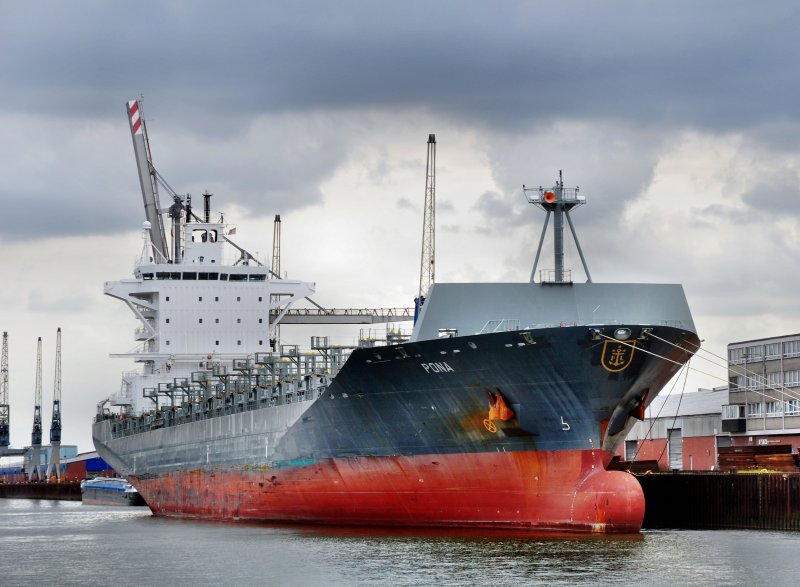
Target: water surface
{"x": 67, "y": 543}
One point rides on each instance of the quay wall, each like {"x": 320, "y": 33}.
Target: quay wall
{"x": 709, "y": 500}
{"x": 60, "y": 491}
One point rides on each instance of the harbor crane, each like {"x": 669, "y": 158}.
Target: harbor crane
{"x": 427, "y": 261}
{"x": 54, "y": 464}
{"x": 5, "y": 416}
{"x": 275, "y": 270}
{"x": 35, "y": 467}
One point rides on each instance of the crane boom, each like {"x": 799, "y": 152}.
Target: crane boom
{"x": 427, "y": 261}
{"x": 147, "y": 179}
{"x": 5, "y": 424}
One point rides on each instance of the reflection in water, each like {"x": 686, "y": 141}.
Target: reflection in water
{"x": 95, "y": 545}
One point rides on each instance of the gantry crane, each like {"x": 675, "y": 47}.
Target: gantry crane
{"x": 35, "y": 467}
{"x": 427, "y": 262}
{"x": 5, "y": 416}
{"x": 54, "y": 464}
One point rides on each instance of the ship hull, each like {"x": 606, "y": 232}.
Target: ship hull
{"x": 563, "y": 490}
{"x": 505, "y": 430}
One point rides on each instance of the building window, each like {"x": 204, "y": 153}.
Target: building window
{"x": 200, "y": 299}
{"x": 216, "y": 320}
{"x": 791, "y": 349}
{"x": 216, "y": 298}
{"x": 238, "y": 299}
{"x": 259, "y": 298}
{"x": 238, "y": 320}
{"x": 755, "y": 382}
{"x": 732, "y": 411}
{"x": 736, "y": 356}
{"x": 239, "y": 342}
{"x": 260, "y": 343}
{"x": 774, "y": 408}
{"x": 755, "y": 353}
{"x": 755, "y": 410}
{"x": 631, "y": 448}
{"x": 167, "y": 320}
{"x": 200, "y": 320}
{"x": 167, "y": 343}
{"x": 735, "y": 382}
{"x": 216, "y": 342}
{"x": 260, "y": 320}
{"x": 772, "y": 350}
{"x": 792, "y": 407}
{"x": 167, "y": 298}
{"x": 791, "y": 378}
{"x": 774, "y": 379}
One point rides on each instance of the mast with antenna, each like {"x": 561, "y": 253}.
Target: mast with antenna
{"x": 558, "y": 201}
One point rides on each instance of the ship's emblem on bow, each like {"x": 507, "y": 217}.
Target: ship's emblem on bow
{"x": 617, "y": 356}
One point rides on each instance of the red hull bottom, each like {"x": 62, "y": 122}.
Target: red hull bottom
{"x": 559, "y": 490}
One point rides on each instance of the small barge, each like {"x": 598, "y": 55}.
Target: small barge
{"x": 110, "y": 491}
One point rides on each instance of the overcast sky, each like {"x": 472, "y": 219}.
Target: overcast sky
{"x": 678, "y": 120}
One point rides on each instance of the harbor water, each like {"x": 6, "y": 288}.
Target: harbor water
{"x": 75, "y": 544}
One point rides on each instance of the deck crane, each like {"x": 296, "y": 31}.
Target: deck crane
{"x": 426, "y": 269}
{"x": 5, "y": 436}
{"x": 35, "y": 467}
{"x": 54, "y": 464}
{"x": 149, "y": 180}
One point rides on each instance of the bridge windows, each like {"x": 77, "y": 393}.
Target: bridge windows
{"x": 203, "y": 235}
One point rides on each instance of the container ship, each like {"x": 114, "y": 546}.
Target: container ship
{"x": 501, "y": 409}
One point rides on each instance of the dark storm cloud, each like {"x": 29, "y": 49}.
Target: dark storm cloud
{"x": 713, "y": 64}
{"x": 500, "y": 209}
{"x": 776, "y": 195}
{"x": 210, "y": 70}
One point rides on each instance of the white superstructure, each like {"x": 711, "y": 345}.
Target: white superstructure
{"x": 204, "y": 309}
